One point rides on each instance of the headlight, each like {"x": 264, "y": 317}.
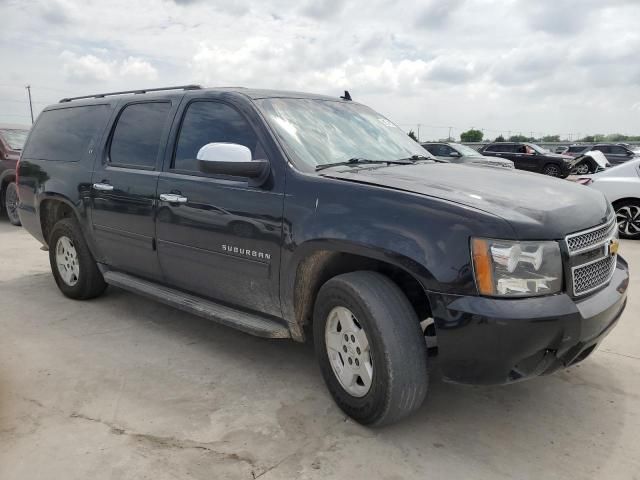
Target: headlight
{"x": 516, "y": 269}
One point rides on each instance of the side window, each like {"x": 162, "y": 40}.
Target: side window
{"x": 491, "y": 148}
{"x": 617, "y": 150}
{"x": 66, "y": 134}
{"x": 208, "y": 122}
{"x": 603, "y": 148}
{"x": 137, "y": 135}
{"x": 430, "y": 148}
{"x": 503, "y": 148}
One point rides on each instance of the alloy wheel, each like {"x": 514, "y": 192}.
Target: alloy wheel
{"x": 628, "y": 218}
{"x": 552, "y": 171}
{"x": 11, "y": 203}
{"x": 349, "y": 352}
{"x": 67, "y": 261}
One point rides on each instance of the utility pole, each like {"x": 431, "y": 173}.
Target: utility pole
{"x": 28, "y": 87}
{"x": 449, "y": 137}
{"x": 418, "y": 133}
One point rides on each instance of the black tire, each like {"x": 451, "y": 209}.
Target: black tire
{"x": 552, "y": 170}
{"x": 628, "y": 218}
{"x": 397, "y": 347}
{"x": 11, "y": 203}
{"x": 90, "y": 282}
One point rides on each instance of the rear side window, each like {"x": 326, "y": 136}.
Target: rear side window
{"x": 499, "y": 148}
{"x": 137, "y": 135}
{"x": 603, "y": 148}
{"x": 208, "y": 122}
{"x": 66, "y": 134}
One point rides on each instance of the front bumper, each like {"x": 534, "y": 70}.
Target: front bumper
{"x": 485, "y": 340}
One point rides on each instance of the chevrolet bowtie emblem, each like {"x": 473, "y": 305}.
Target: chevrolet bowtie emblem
{"x": 614, "y": 246}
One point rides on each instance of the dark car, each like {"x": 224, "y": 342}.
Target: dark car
{"x": 12, "y": 138}
{"x": 615, "y": 153}
{"x": 457, "y": 153}
{"x": 531, "y": 157}
{"x": 291, "y": 215}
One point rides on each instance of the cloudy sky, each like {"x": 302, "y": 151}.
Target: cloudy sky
{"x": 547, "y": 66}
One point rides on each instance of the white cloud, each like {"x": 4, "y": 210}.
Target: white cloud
{"x": 493, "y": 64}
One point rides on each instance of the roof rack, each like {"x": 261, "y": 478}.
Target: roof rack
{"x": 146, "y": 90}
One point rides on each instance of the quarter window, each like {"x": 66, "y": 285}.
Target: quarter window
{"x": 211, "y": 122}
{"x": 136, "y": 138}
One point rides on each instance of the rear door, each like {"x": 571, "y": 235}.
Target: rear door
{"x": 123, "y": 193}
{"x": 222, "y": 239}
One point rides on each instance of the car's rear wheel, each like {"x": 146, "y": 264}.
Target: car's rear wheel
{"x": 551, "y": 169}
{"x": 581, "y": 169}
{"x": 370, "y": 347}
{"x": 74, "y": 269}
{"x": 628, "y": 218}
{"x": 11, "y": 203}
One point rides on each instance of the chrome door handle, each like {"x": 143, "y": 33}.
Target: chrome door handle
{"x": 103, "y": 187}
{"x": 173, "y": 198}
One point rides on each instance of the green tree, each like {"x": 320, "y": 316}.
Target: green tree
{"x": 412, "y": 134}
{"x": 551, "y": 138}
{"x": 499, "y": 138}
{"x": 471, "y": 136}
{"x": 518, "y": 138}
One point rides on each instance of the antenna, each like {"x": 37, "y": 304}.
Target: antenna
{"x": 346, "y": 96}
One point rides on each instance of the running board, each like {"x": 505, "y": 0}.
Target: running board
{"x": 247, "y": 322}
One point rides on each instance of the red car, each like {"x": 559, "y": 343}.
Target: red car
{"x": 12, "y": 138}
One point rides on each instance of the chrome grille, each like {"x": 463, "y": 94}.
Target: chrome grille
{"x": 592, "y": 275}
{"x": 582, "y": 241}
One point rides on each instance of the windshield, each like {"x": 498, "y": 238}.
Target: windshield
{"x": 15, "y": 138}
{"x": 464, "y": 150}
{"x": 538, "y": 148}
{"x": 318, "y": 132}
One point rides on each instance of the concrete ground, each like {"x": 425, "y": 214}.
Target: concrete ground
{"x": 125, "y": 388}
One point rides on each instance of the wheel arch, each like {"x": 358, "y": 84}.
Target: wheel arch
{"x": 51, "y": 209}
{"x": 6, "y": 178}
{"x": 318, "y": 262}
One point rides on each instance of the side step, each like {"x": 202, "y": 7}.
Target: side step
{"x": 247, "y": 322}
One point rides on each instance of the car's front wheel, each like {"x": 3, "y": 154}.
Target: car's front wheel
{"x": 11, "y": 203}
{"x": 74, "y": 269}
{"x": 370, "y": 347}
{"x": 552, "y": 170}
{"x": 628, "y": 218}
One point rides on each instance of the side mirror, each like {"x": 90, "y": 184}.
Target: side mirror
{"x": 233, "y": 160}
{"x": 455, "y": 154}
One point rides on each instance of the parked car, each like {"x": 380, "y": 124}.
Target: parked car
{"x": 531, "y": 157}
{"x": 367, "y": 242}
{"x": 621, "y": 186}
{"x": 577, "y": 150}
{"x": 615, "y": 153}
{"x": 561, "y": 149}
{"x": 457, "y": 153}
{"x": 12, "y": 138}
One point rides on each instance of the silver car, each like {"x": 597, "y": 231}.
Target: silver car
{"x": 458, "y": 153}
{"x": 621, "y": 186}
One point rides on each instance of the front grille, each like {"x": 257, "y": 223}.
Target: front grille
{"x": 592, "y": 275}
{"x": 581, "y": 241}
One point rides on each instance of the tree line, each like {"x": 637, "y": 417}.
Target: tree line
{"x": 475, "y": 135}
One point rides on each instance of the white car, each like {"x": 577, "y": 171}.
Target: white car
{"x": 621, "y": 186}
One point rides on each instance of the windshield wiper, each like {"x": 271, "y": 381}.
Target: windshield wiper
{"x": 358, "y": 160}
{"x": 417, "y": 158}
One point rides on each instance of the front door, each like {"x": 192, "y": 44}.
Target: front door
{"x": 124, "y": 183}
{"x": 526, "y": 158}
{"x": 219, "y": 237}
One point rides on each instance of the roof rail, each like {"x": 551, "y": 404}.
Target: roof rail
{"x": 146, "y": 90}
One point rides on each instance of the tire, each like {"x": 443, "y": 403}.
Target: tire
{"x": 68, "y": 246}
{"x": 11, "y": 203}
{"x": 628, "y": 218}
{"x": 397, "y": 350}
{"x": 583, "y": 168}
{"x": 552, "y": 170}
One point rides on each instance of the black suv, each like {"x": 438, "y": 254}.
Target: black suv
{"x": 288, "y": 215}
{"x": 531, "y": 157}
{"x": 12, "y": 138}
{"x": 615, "y": 153}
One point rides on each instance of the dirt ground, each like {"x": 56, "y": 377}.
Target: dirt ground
{"x": 125, "y": 388}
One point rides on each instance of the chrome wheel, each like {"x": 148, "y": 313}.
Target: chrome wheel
{"x": 349, "y": 352}
{"x": 582, "y": 169}
{"x": 628, "y": 217}
{"x": 67, "y": 261}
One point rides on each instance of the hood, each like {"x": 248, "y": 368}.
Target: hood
{"x": 538, "y": 207}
